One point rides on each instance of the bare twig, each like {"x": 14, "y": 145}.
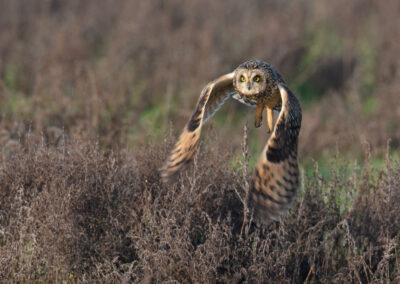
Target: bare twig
{"x": 245, "y": 165}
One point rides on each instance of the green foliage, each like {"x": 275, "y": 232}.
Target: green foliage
{"x": 367, "y": 53}
{"x": 370, "y": 106}
{"x": 11, "y": 77}
{"x": 152, "y": 119}
{"x": 322, "y": 42}
{"x": 308, "y": 93}
{"x": 16, "y": 104}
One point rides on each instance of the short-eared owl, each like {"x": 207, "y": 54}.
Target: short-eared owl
{"x": 276, "y": 177}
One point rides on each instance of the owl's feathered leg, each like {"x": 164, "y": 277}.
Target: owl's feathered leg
{"x": 258, "y": 115}
{"x": 270, "y": 119}
{"x": 271, "y": 103}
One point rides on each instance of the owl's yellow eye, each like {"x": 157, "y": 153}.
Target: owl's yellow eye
{"x": 242, "y": 78}
{"x": 256, "y": 78}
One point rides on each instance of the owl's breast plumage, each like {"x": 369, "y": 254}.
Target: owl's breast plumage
{"x": 252, "y": 100}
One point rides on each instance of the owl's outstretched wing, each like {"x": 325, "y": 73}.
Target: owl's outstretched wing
{"x": 276, "y": 177}
{"x": 211, "y": 99}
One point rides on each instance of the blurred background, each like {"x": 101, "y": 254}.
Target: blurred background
{"x": 128, "y": 73}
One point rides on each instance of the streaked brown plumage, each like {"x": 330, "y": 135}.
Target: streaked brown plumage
{"x": 276, "y": 177}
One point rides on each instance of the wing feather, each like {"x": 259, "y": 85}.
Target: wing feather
{"x": 276, "y": 177}
{"x": 211, "y": 99}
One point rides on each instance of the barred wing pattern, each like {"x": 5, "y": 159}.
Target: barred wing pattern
{"x": 276, "y": 177}
{"x": 211, "y": 99}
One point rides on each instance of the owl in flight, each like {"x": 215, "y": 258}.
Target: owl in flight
{"x": 276, "y": 177}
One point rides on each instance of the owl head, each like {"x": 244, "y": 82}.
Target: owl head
{"x": 255, "y": 78}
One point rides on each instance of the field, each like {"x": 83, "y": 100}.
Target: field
{"x": 94, "y": 93}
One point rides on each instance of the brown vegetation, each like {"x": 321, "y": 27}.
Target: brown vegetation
{"x": 88, "y": 90}
{"x": 73, "y": 212}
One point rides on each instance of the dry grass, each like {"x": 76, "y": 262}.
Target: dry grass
{"x": 73, "y": 212}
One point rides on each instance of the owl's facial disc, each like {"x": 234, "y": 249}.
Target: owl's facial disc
{"x": 250, "y": 82}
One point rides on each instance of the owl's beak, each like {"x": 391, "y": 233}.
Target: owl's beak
{"x": 248, "y": 86}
